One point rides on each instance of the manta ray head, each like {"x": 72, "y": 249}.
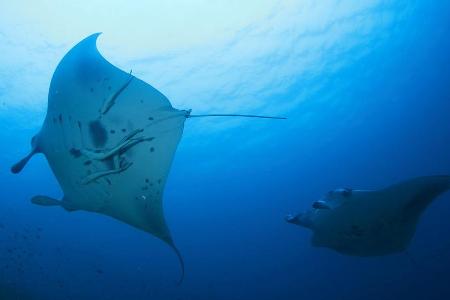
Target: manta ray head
{"x": 333, "y": 199}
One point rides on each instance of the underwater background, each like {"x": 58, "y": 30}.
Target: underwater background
{"x": 366, "y": 89}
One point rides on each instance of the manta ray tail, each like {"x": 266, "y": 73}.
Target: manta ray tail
{"x": 180, "y": 258}
{"x": 235, "y": 115}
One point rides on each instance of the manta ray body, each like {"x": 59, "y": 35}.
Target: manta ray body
{"x": 371, "y": 222}
{"x": 110, "y": 139}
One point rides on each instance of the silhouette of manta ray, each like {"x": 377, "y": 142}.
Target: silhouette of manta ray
{"x": 109, "y": 139}
{"x": 371, "y": 223}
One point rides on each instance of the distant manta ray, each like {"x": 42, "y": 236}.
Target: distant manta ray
{"x": 109, "y": 139}
{"x": 371, "y": 223}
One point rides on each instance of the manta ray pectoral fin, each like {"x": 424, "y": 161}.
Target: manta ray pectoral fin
{"x": 427, "y": 189}
{"x": 418, "y": 193}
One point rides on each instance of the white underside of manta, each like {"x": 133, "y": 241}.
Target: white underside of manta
{"x": 109, "y": 138}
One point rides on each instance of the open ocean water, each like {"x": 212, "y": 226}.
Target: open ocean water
{"x": 365, "y": 87}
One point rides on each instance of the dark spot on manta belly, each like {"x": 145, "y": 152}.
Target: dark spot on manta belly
{"x": 75, "y": 152}
{"x": 98, "y": 133}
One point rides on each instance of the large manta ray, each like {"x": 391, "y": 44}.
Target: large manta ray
{"x": 371, "y": 223}
{"x": 109, "y": 139}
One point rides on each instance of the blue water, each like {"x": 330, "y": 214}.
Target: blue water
{"x": 367, "y": 96}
